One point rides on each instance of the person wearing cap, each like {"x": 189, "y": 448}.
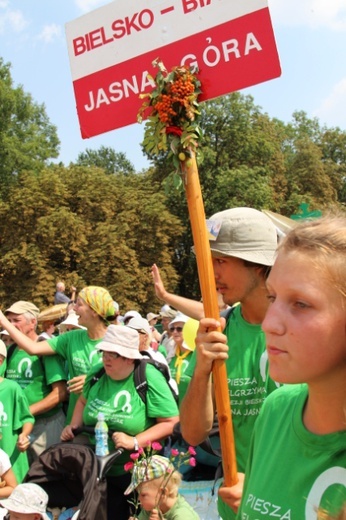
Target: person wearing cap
{"x": 134, "y": 422}
{"x": 243, "y": 253}
{"x": 6, "y": 338}
{"x": 16, "y": 423}
{"x": 141, "y": 325}
{"x": 42, "y": 379}
{"x": 130, "y": 314}
{"x": 167, "y": 341}
{"x": 95, "y": 308}
{"x": 157, "y": 483}
{"x": 27, "y": 502}
{"x": 156, "y": 336}
{"x": 182, "y": 354}
{"x": 70, "y": 323}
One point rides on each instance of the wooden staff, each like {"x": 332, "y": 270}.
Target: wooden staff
{"x": 211, "y": 310}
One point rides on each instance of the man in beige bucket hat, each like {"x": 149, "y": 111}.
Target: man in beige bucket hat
{"x": 243, "y": 251}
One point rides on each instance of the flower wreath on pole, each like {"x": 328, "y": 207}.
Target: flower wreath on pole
{"x": 173, "y": 108}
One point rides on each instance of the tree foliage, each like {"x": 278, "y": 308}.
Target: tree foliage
{"x": 86, "y": 227}
{"x": 27, "y": 138}
{"x": 107, "y": 159}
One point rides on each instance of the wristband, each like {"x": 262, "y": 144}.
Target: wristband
{"x": 135, "y": 443}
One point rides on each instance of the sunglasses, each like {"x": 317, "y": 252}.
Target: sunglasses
{"x": 112, "y": 355}
{"x": 178, "y": 329}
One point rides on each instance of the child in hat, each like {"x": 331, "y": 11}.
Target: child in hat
{"x": 27, "y": 502}
{"x": 157, "y": 483}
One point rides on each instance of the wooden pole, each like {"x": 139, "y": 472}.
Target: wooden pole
{"x": 211, "y": 310}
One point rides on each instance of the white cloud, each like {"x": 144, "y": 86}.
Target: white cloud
{"x": 50, "y": 33}
{"x": 11, "y": 20}
{"x": 330, "y": 14}
{"x": 89, "y": 5}
{"x": 332, "y": 109}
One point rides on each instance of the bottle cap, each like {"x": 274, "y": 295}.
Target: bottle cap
{"x": 100, "y": 416}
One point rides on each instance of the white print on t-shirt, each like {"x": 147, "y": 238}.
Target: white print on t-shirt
{"x": 28, "y": 371}
{"x": 127, "y": 406}
{"x": 331, "y": 476}
{"x": 263, "y": 367}
{"x": 92, "y": 354}
{"x": 3, "y": 414}
{"x": 266, "y": 508}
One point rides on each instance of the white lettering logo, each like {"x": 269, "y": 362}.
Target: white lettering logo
{"x": 127, "y": 406}
{"x": 92, "y": 354}
{"x": 3, "y": 414}
{"x": 28, "y": 372}
{"x": 263, "y": 367}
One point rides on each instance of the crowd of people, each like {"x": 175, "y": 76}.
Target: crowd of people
{"x": 281, "y": 334}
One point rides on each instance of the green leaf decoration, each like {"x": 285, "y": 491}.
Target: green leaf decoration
{"x": 171, "y": 114}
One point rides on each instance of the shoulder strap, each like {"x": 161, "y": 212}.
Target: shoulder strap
{"x": 97, "y": 376}
{"x": 140, "y": 377}
{"x": 10, "y": 351}
{"x": 146, "y": 353}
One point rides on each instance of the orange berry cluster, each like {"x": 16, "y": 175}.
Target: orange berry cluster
{"x": 183, "y": 87}
{"x": 163, "y": 106}
{"x": 178, "y": 93}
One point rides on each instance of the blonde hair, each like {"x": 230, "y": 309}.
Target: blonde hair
{"x": 173, "y": 483}
{"x": 324, "y": 240}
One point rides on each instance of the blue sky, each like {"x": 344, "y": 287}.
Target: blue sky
{"x": 311, "y": 41}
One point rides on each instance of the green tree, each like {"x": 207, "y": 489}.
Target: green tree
{"x": 308, "y": 178}
{"x": 107, "y": 159}
{"x": 27, "y": 138}
{"x": 84, "y": 226}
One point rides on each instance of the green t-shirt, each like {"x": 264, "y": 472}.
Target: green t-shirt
{"x": 291, "y": 472}
{"x": 3, "y": 368}
{"x": 162, "y": 349}
{"x": 248, "y": 383}
{"x": 123, "y": 408}
{"x": 80, "y": 353}
{"x": 184, "y": 377}
{"x": 14, "y": 412}
{"x": 35, "y": 375}
{"x": 180, "y": 511}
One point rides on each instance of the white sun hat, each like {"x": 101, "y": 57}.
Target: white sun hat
{"x": 27, "y": 499}
{"x": 72, "y": 319}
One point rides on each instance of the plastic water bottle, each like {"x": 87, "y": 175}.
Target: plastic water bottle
{"x": 101, "y": 436}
